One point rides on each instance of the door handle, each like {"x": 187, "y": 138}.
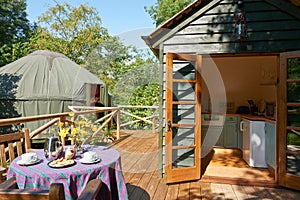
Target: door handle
{"x": 169, "y": 126}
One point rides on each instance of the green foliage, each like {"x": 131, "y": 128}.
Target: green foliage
{"x": 122, "y": 68}
{"x": 110, "y": 60}
{"x": 145, "y": 95}
{"x": 126, "y": 90}
{"x": 293, "y": 139}
{"x": 165, "y": 9}
{"x": 72, "y": 31}
{"x": 15, "y": 31}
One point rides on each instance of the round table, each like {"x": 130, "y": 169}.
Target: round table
{"x": 76, "y": 177}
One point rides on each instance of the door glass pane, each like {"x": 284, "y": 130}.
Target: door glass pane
{"x": 293, "y": 68}
{"x": 293, "y": 152}
{"x": 183, "y": 136}
{"x": 293, "y": 116}
{"x": 184, "y": 71}
{"x": 183, "y": 92}
{"x": 183, "y": 158}
{"x": 183, "y": 114}
{"x": 293, "y": 92}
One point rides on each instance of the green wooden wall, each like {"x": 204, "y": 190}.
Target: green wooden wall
{"x": 270, "y": 29}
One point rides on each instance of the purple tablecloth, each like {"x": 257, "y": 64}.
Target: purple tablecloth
{"x": 76, "y": 177}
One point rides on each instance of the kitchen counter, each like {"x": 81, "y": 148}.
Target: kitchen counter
{"x": 253, "y": 117}
{"x": 257, "y": 118}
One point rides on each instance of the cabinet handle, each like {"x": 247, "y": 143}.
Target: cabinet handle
{"x": 242, "y": 126}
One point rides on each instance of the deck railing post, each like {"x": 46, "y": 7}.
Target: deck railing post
{"x": 153, "y": 123}
{"x": 118, "y": 123}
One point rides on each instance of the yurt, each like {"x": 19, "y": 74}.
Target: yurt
{"x": 45, "y": 82}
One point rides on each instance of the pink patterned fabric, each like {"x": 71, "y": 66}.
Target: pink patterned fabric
{"x": 76, "y": 177}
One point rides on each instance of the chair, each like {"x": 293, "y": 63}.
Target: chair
{"x": 9, "y": 190}
{"x": 12, "y": 145}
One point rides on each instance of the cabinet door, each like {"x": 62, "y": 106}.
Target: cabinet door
{"x": 212, "y": 136}
{"x": 230, "y": 136}
{"x": 270, "y": 145}
{"x": 230, "y": 132}
{"x": 240, "y": 134}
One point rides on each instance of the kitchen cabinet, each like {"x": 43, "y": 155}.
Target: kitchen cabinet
{"x": 270, "y": 131}
{"x": 230, "y": 132}
{"x": 226, "y": 136}
{"x": 212, "y": 136}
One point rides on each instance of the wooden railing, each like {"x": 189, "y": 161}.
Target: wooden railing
{"x": 110, "y": 114}
{"x": 152, "y": 119}
{"x": 62, "y": 117}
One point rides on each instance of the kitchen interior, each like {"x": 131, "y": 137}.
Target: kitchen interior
{"x": 239, "y": 135}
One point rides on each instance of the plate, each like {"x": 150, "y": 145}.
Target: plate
{"x": 66, "y": 163}
{"x": 83, "y": 161}
{"x": 21, "y": 162}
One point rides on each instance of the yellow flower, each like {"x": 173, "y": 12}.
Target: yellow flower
{"x": 63, "y": 133}
{"x": 74, "y": 132}
{"x": 61, "y": 124}
{"x": 71, "y": 114}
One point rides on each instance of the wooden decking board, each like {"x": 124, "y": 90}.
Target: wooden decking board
{"x": 195, "y": 190}
{"x": 161, "y": 190}
{"x": 172, "y": 192}
{"x": 184, "y": 191}
{"x": 217, "y": 191}
{"x": 130, "y": 154}
{"x": 145, "y": 179}
{"x": 287, "y": 194}
{"x": 228, "y": 191}
{"x": 206, "y": 192}
{"x": 139, "y": 158}
{"x": 152, "y": 186}
{"x": 239, "y": 192}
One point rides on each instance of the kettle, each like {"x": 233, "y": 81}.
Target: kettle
{"x": 53, "y": 148}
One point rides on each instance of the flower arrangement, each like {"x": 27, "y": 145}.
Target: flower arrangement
{"x": 78, "y": 131}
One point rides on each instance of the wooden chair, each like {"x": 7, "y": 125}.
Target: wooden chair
{"x": 12, "y": 145}
{"x": 8, "y": 191}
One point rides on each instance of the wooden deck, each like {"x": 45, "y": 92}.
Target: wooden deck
{"x": 139, "y": 152}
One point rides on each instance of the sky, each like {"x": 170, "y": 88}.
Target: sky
{"x": 124, "y": 18}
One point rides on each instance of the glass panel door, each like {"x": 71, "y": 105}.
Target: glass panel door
{"x": 183, "y": 119}
{"x": 289, "y": 120}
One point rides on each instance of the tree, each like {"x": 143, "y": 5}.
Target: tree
{"x": 72, "y": 31}
{"x": 121, "y": 67}
{"x": 165, "y": 9}
{"x": 15, "y": 30}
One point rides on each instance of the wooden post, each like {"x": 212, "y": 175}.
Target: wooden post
{"x": 118, "y": 123}
{"x": 27, "y": 140}
{"x": 153, "y": 123}
{"x": 62, "y": 139}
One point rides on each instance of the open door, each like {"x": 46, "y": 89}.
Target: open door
{"x": 288, "y": 120}
{"x": 183, "y": 117}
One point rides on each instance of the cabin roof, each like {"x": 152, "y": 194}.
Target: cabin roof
{"x": 196, "y": 8}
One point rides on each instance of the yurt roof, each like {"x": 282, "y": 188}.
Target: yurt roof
{"x": 45, "y": 75}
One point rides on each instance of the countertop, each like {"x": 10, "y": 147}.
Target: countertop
{"x": 257, "y": 118}
{"x": 252, "y": 117}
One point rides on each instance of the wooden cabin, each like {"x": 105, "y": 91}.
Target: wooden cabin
{"x": 230, "y": 77}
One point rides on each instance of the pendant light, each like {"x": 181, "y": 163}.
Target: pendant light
{"x": 240, "y": 28}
